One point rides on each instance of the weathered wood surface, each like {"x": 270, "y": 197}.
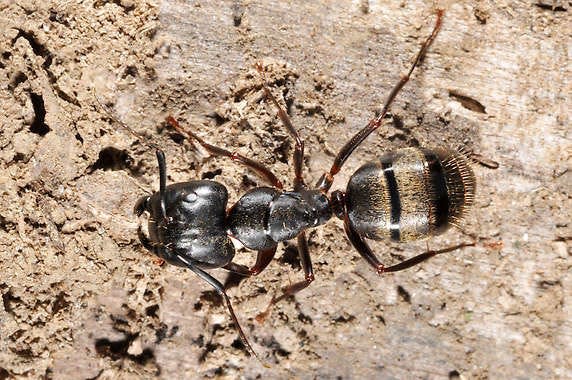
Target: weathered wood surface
{"x": 80, "y": 297}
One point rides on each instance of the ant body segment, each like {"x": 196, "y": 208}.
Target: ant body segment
{"x": 405, "y": 195}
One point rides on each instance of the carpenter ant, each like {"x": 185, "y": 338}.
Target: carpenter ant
{"x": 408, "y": 194}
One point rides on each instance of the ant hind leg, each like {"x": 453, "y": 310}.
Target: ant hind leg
{"x": 325, "y": 182}
{"x": 365, "y": 251}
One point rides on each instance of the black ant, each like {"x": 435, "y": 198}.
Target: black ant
{"x": 408, "y": 194}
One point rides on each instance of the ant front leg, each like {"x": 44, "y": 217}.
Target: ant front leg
{"x": 259, "y": 168}
{"x": 365, "y": 251}
{"x": 220, "y": 290}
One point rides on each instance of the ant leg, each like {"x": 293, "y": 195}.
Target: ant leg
{"x": 237, "y": 268}
{"x": 157, "y": 250}
{"x": 220, "y": 290}
{"x": 306, "y": 263}
{"x": 141, "y": 205}
{"x": 263, "y": 258}
{"x": 325, "y": 182}
{"x": 405, "y": 264}
{"x": 365, "y": 251}
{"x": 262, "y": 170}
{"x": 145, "y": 242}
{"x": 299, "y": 150}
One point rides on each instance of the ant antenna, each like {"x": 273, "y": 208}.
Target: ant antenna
{"x": 112, "y": 116}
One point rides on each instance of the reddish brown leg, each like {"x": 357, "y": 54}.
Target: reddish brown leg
{"x": 325, "y": 182}
{"x": 263, "y": 258}
{"x": 299, "y": 184}
{"x": 299, "y": 149}
{"x": 262, "y": 170}
{"x": 365, "y": 251}
{"x": 306, "y": 263}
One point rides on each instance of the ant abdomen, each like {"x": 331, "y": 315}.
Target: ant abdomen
{"x": 410, "y": 194}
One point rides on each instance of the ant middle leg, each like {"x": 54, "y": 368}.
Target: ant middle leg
{"x": 285, "y": 119}
{"x": 325, "y": 182}
{"x": 365, "y": 251}
{"x": 306, "y": 262}
{"x": 259, "y": 168}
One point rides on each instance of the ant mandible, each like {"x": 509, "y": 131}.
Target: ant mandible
{"x": 407, "y": 194}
